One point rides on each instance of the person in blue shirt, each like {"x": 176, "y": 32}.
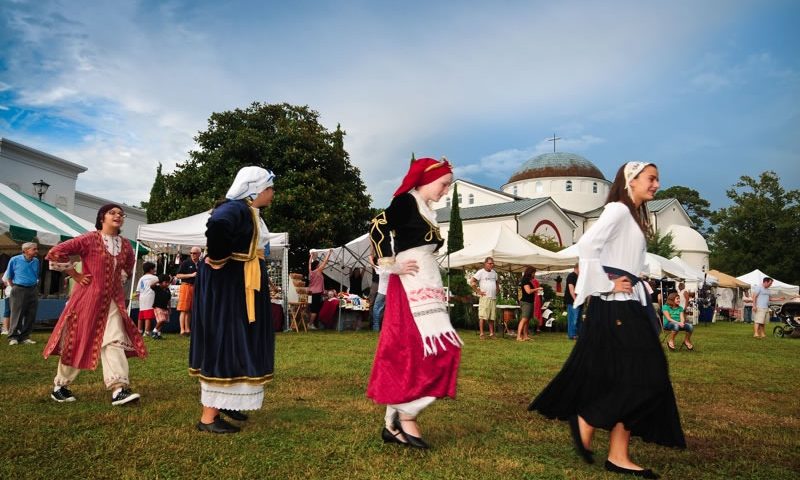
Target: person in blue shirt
{"x": 23, "y": 277}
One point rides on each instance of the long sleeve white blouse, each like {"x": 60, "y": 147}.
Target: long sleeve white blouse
{"x": 615, "y": 240}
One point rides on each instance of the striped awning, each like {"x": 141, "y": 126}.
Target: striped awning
{"x": 24, "y": 218}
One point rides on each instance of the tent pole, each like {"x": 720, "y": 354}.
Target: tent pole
{"x": 285, "y": 280}
{"x": 339, "y": 326}
{"x": 133, "y": 275}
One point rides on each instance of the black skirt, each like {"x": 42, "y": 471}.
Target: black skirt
{"x": 225, "y": 346}
{"x": 617, "y": 372}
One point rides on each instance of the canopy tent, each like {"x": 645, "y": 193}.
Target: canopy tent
{"x": 510, "y": 251}
{"x": 778, "y": 288}
{"x": 185, "y": 233}
{"x": 343, "y": 260}
{"x": 728, "y": 281}
{"x": 656, "y": 266}
{"x": 693, "y": 274}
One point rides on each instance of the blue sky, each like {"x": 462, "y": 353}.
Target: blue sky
{"x": 708, "y": 90}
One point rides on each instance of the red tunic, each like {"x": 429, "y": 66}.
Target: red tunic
{"x": 78, "y": 335}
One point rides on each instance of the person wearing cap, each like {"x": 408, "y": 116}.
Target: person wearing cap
{"x": 95, "y": 324}
{"x": 418, "y": 351}
{"x": 23, "y": 276}
{"x": 616, "y": 377}
{"x": 232, "y": 346}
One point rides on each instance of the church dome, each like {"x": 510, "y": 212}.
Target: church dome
{"x": 686, "y": 239}
{"x": 560, "y": 164}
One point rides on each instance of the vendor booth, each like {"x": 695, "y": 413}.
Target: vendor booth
{"x": 177, "y": 236}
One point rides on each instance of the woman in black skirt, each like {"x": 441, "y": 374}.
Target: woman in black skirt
{"x": 616, "y": 377}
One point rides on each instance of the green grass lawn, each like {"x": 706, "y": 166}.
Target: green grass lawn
{"x": 738, "y": 396}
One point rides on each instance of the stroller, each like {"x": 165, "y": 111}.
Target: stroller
{"x": 789, "y": 314}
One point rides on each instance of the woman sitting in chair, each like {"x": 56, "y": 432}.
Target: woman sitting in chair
{"x": 674, "y": 321}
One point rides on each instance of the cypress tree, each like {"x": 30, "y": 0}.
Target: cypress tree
{"x": 459, "y": 287}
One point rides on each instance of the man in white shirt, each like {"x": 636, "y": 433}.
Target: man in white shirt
{"x": 760, "y": 294}
{"x": 485, "y": 284}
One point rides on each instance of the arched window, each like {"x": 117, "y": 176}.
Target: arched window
{"x": 471, "y": 199}
{"x": 515, "y": 190}
{"x": 447, "y": 202}
{"x": 539, "y": 187}
{"x": 594, "y": 187}
{"x": 459, "y": 199}
{"x": 569, "y": 185}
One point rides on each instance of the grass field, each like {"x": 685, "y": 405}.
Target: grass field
{"x": 739, "y": 401}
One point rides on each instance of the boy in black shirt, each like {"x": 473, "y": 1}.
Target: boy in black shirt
{"x": 161, "y": 303}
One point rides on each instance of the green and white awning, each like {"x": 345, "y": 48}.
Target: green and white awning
{"x": 23, "y": 218}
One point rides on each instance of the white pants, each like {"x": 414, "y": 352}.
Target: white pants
{"x": 412, "y": 409}
{"x": 112, "y": 355}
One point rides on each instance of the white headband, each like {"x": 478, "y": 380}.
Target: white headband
{"x": 632, "y": 169}
{"x": 249, "y": 182}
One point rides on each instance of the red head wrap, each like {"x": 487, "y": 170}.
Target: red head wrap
{"x": 422, "y": 172}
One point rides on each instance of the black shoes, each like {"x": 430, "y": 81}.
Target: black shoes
{"x": 574, "y": 429}
{"x": 411, "y": 441}
{"x": 389, "y": 437}
{"x": 62, "y": 395}
{"x": 217, "y": 426}
{"x": 634, "y": 473}
{"x": 124, "y": 396}
{"x": 235, "y": 415}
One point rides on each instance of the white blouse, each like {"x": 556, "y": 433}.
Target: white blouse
{"x": 615, "y": 240}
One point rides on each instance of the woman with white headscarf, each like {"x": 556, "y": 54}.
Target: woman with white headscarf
{"x": 616, "y": 377}
{"x": 232, "y": 347}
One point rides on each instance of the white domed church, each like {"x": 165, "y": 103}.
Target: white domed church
{"x": 559, "y": 195}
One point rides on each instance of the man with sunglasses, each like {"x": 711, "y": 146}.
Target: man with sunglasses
{"x": 186, "y": 274}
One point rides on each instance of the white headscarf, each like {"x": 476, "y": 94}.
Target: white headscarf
{"x": 249, "y": 182}
{"x": 632, "y": 169}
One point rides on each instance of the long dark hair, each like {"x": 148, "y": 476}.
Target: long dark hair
{"x": 528, "y": 274}
{"x": 618, "y": 193}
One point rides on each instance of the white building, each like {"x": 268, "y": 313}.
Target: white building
{"x": 21, "y": 166}
{"x": 559, "y": 195}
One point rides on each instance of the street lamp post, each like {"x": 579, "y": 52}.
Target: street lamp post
{"x": 40, "y": 188}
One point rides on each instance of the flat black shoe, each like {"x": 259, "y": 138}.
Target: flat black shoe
{"x": 412, "y": 441}
{"x": 217, "y": 426}
{"x": 389, "y": 437}
{"x": 574, "y": 429}
{"x": 235, "y": 415}
{"x": 634, "y": 473}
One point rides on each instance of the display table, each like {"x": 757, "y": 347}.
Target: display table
{"x": 503, "y": 311}
{"x": 47, "y": 311}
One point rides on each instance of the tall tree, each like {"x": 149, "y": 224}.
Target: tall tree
{"x": 759, "y": 230}
{"x": 698, "y": 209}
{"x": 320, "y": 198}
{"x": 457, "y": 280}
{"x": 661, "y": 245}
{"x": 160, "y": 205}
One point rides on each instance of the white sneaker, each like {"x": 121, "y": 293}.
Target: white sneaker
{"x": 4, "y": 332}
{"x": 13, "y": 341}
{"x": 28, "y": 341}
{"x": 124, "y": 396}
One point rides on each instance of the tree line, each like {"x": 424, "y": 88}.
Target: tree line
{"x": 321, "y": 200}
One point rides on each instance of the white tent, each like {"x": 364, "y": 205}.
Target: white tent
{"x": 656, "y": 266}
{"x": 510, "y": 251}
{"x": 693, "y": 274}
{"x": 778, "y": 288}
{"x": 185, "y": 233}
{"x": 353, "y": 254}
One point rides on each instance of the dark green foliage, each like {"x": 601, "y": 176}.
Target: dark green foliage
{"x": 698, "y": 209}
{"x": 160, "y": 205}
{"x": 548, "y": 243}
{"x": 320, "y": 198}
{"x": 460, "y": 314}
{"x": 760, "y": 230}
{"x": 661, "y": 245}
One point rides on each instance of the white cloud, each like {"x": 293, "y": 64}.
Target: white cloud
{"x": 146, "y": 82}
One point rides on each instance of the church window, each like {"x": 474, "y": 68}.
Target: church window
{"x": 459, "y": 199}
{"x": 471, "y": 199}
{"x": 447, "y": 202}
{"x": 569, "y": 185}
{"x": 594, "y": 187}
{"x": 515, "y": 190}
{"x": 539, "y": 187}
